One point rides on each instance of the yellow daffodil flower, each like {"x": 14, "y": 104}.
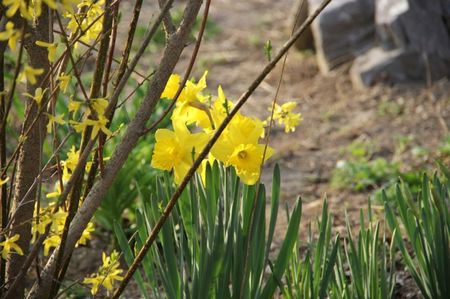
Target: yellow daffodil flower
{"x": 38, "y": 95}
{"x": 219, "y": 110}
{"x": 29, "y": 74}
{"x": 51, "y": 48}
{"x": 171, "y": 87}
{"x": 247, "y": 160}
{"x": 9, "y": 245}
{"x": 11, "y": 35}
{"x": 191, "y": 105}
{"x": 286, "y": 117}
{"x": 191, "y": 91}
{"x": 176, "y": 149}
{"x": 238, "y": 146}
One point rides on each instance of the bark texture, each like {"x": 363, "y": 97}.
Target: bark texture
{"x": 29, "y": 159}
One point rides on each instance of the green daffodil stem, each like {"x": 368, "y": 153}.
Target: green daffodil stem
{"x": 168, "y": 209}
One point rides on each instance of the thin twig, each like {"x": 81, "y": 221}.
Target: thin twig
{"x": 266, "y": 144}
{"x": 72, "y": 60}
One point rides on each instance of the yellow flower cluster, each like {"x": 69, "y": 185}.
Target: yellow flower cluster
{"x": 9, "y": 245}
{"x": 97, "y": 108}
{"x": 69, "y": 166}
{"x": 57, "y": 220}
{"x": 11, "y": 35}
{"x": 30, "y": 9}
{"x": 286, "y": 117}
{"x": 88, "y": 20}
{"x": 107, "y": 275}
{"x": 238, "y": 146}
{"x": 29, "y": 74}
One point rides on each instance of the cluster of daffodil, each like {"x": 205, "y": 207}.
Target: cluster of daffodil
{"x": 238, "y": 146}
{"x": 107, "y": 274}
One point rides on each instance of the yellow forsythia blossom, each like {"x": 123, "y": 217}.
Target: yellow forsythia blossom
{"x": 98, "y": 105}
{"x": 3, "y": 181}
{"x": 11, "y": 35}
{"x": 9, "y": 245}
{"x": 107, "y": 274}
{"x": 38, "y": 95}
{"x": 55, "y": 193}
{"x": 97, "y": 125}
{"x": 54, "y": 119}
{"x": 64, "y": 80}
{"x": 86, "y": 235}
{"x": 74, "y": 105}
{"x": 51, "y": 48}
{"x": 51, "y": 242}
{"x": 21, "y": 6}
{"x": 29, "y": 74}
{"x": 57, "y": 221}
{"x": 89, "y": 22}
{"x": 70, "y": 163}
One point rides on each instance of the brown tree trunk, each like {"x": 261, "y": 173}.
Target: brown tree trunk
{"x": 30, "y": 155}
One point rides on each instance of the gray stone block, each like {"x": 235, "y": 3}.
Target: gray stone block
{"x": 397, "y": 66}
{"x": 416, "y": 25}
{"x": 344, "y": 30}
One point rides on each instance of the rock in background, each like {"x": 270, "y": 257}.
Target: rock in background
{"x": 388, "y": 41}
{"x": 414, "y": 44}
{"x": 306, "y": 40}
{"x": 344, "y": 30}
